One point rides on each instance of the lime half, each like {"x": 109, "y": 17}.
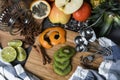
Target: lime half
{"x": 8, "y": 54}
{"x": 21, "y": 54}
{"x": 15, "y": 43}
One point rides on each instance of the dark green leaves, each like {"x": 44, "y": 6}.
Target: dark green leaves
{"x": 105, "y": 17}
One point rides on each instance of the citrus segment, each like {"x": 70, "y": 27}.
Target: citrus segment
{"x": 15, "y": 43}
{"x": 8, "y": 54}
{"x": 21, "y": 54}
{"x": 40, "y": 9}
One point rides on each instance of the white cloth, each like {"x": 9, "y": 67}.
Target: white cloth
{"x": 109, "y": 69}
{"x": 105, "y": 42}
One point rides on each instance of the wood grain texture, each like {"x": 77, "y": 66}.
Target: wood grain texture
{"x": 5, "y": 37}
{"x": 34, "y": 63}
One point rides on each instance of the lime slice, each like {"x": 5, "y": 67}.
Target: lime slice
{"x": 21, "y": 54}
{"x": 15, "y": 43}
{"x": 8, "y": 54}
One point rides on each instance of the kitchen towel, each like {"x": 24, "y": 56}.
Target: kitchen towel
{"x": 115, "y": 49}
{"x": 108, "y": 69}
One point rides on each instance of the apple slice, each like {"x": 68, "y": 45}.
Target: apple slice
{"x": 68, "y": 6}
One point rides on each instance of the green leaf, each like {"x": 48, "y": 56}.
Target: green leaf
{"x": 106, "y": 25}
{"x": 109, "y": 30}
{"x": 97, "y": 21}
{"x": 117, "y": 19}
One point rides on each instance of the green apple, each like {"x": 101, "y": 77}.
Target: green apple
{"x": 68, "y": 6}
{"x": 57, "y": 16}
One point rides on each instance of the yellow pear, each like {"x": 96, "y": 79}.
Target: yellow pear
{"x": 57, "y": 16}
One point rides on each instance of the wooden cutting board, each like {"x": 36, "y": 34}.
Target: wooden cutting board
{"x": 34, "y": 63}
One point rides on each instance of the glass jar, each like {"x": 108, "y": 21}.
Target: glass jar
{"x": 10, "y": 14}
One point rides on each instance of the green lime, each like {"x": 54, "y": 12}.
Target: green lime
{"x": 21, "y": 54}
{"x": 8, "y": 54}
{"x": 15, "y": 43}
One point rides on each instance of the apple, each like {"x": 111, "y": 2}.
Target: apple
{"x": 68, "y": 6}
{"x": 57, "y": 16}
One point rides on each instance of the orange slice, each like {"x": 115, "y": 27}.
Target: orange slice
{"x": 40, "y": 9}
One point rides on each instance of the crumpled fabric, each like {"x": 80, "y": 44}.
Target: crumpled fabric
{"x": 108, "y": 69}
{"x": 17, "y": 72}
{"x": 115, "y": 55}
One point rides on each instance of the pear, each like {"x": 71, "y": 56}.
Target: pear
{"x": 58, "y": 16}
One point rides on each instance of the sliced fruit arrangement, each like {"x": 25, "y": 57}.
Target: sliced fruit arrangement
{"x": 61, "y": 11}
{"x": 40, "y": 9}
{"x": 105, "y": 17}
{"x": 13, "y": 50}
{"x": 62, "y": 57}
{"x": 68, "y": 21}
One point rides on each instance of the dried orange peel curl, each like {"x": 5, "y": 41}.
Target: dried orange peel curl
{"x": 52, "y": 36}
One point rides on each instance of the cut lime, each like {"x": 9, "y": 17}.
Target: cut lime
{"x": 21, "y": 54}
{"x": 8, "y": 54}
{"x": 15, "y": 43}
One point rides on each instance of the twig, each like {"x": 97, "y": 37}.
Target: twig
{"x": 41, "y": 50}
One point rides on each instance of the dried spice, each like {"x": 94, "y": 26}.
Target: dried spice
{"x": 41, "y": 50}
{"x": 30, "y": 31}
{"x": 30, "y": 27}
